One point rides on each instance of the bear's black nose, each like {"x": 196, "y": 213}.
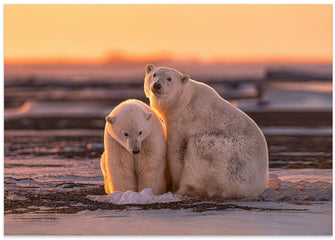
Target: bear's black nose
{"x": 136, "y": 151}
{"x": 157, "y": 86}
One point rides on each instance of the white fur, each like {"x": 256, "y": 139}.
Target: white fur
{"x": 214, "y": 149}
{"x": 122, "y": 169}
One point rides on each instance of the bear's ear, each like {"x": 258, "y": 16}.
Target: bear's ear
{"x": 149, "y": 68}
{"x": 185, "y": 78}
{"x": 110, "y": 119}
{"x": 147, "y": 115}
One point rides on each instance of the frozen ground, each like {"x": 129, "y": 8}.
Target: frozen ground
{"x": 53, "y": 185}
{"x": 297, "y": 202}
{"x": 306, "y": 219}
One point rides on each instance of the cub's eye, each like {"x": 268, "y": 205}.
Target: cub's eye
{"x": 140, "y": 133}
{"x": 169, "y": 79}
{"x": 155, "y": 75}
{"x": 126, "y": 134}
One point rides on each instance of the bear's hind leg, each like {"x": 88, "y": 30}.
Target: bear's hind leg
{"x": 205, "y": 170}
{"x": 193, "y": 173}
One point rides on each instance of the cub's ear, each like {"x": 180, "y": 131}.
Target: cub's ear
{"x": 149, "y": 68}
{"x": 147, "y": 115}
{"x": 185, "y": 78}
{"x": 110, "y": 119}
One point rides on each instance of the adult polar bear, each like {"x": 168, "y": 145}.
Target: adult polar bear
{"x": 214, "y": 149}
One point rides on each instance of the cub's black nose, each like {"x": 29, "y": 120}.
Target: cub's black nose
{"x": 136, "y": 151}
{"x": 157, "y": 86}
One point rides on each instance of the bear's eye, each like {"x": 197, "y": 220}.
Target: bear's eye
{"x": 140, "y": 133}
{"x": 126, "y": 134}
{"x": 155, "y": 75}
{"x": 169, "y": 79}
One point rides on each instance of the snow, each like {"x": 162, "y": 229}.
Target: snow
{"x": 289, "y": 185}
{"x": 146, "y": 196}
{"x": 302, "y": 184}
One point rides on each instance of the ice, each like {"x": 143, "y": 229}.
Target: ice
{"x": 274, "y": 182}
{"x": 291, "y": 193}
{"x": 283, "y": 186}
{"x": 146, "y": 196}
{"x": 16, "y": 198}
{"x": 270, "y": 195}
{"x": 299, "y": 185}
{"x": 286, "y": 194}
{"x": 318, "y": 194}
{"x": 284, "y": 219}
{"x": 95, "y": 146}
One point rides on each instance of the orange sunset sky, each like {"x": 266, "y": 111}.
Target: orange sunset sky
{"x": 230, "y": 33}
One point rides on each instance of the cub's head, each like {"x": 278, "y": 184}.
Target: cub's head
{"x": 129, "y": 124}
{"x": 164, "y": 83}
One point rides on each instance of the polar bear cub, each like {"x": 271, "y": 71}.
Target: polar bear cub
{"x": 135, "y": 149}
{"x": 214, "y": 149}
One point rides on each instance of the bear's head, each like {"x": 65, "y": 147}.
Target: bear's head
{"x": 164, "y": 83}
{"x": 129, "y": 124}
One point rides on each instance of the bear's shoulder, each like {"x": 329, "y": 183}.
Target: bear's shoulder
{"x": 203, "y": 93}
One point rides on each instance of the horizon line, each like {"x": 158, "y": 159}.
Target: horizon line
{"x": 138, "y": 60}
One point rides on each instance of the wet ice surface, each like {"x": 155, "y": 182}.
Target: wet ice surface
{"x": 78, "y": 182}
{"x": 56, "y": 201}
{"x": 314, "y": 219}
{"x": 283, "y": 185}
{"x": 53, "y": 178}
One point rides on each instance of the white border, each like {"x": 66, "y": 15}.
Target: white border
{"x": 167, "y": 2}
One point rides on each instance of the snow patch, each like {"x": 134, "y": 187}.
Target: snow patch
{"x": 280, "y": 188}
{"x": 299, "y": 186}
{"x": 146, "y": 196}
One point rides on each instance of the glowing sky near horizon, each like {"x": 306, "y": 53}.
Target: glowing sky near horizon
{"x": 230, "y": 32}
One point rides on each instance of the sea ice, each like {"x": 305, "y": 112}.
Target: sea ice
{"x": 270, "y": 194}
{"x": 16, "y": 198}
{"x": 291, "y": 193}
{"x": 319, "y": 194}
{"x": 282, "y": 187}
